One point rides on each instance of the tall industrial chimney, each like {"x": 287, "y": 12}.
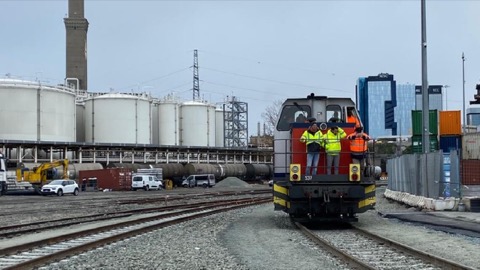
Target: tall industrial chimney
{"x": 76, "y": 26}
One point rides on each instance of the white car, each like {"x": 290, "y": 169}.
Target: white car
{"x": 60, "y": 187}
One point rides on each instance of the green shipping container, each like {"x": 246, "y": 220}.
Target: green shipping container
{"x": 417, "y": 143}
{"x": 417, "y": 120}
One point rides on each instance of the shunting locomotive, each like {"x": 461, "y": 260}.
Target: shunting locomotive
{"x": 319, "y": 196}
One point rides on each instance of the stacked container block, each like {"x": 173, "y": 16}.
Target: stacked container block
{"x": 470, "y": 167}
{"x": 417, "y": 130}
{"x": 450, "y": 131}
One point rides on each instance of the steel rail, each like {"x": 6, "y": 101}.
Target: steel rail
{"x": 350, "y": 260}
{"x": 113, "y": 215}
{"x": 36, "y": 262}
{"x": 437, "y": 261}
{"x": 89, "y": 218}
{"x": 401, "y": 248}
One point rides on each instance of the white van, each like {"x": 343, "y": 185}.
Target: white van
{"x": 146, "y": 182}
{"x": 199, "y": 180}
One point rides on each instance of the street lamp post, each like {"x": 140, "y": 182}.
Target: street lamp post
{"x": 425, "y": 105}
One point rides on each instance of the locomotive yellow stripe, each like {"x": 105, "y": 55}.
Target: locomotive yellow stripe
{"x": 280, "y": 194}
{"x": 281, "y": 202}
{"x": 280, "y": 189}
{"x": 369, "y": 189}
{"x": 366, "y": 202}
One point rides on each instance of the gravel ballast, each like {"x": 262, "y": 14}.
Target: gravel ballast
{"x": 259, "y": 238}
{"x": 225, "y": 241}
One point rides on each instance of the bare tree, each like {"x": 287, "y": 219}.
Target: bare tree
{"x": 271, "y": 115}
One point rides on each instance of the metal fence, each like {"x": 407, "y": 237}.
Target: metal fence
{"x": 431, "y": 175}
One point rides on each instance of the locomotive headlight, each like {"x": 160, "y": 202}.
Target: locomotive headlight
{"x": 354, "y": 172}
{"x": 295, "y": 172}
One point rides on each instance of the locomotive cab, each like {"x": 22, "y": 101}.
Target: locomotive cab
{"x": 323, "y": 196}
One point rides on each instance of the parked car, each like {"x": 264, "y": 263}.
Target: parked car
{"x": 146, "y": 182}
{"x": 60, "y": 187}
{"x": 200, "y": 180}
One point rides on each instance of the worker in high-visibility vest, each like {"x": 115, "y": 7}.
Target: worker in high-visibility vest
{"x": 358, "y": 147}
{"x": 351, "y": 118}
{"x": 333, "y": 147}
{"x": 312, "y": 138}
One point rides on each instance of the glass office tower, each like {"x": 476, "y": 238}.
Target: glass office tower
{"x": 403, "y": 111}
{"x": 435, "y": 97}
{"x": 376, "y": 101}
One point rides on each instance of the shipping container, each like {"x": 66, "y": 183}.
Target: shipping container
{"x": 417, "y": 144}
{"x": 448, "y": 143}
{"x": 470, "y": 172}
{"x": 113, "y": 178}
{"x": 417, "y": 122}
{"x": 450, "y": 123}
{"x": 471, "y": 146}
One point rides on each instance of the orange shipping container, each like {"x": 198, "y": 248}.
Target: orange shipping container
{"x": 450, "y": 123}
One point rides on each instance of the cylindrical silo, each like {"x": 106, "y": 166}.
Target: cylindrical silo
{"x": 197, "y": 124}
{"x": 80, "y": 119}
{"x": 118, "y": 118}
{"x": 169, "y": 122}
{"x": 219, "y": 128}
{"x": 35, "y": 112}
{"x": 155, "y": 122}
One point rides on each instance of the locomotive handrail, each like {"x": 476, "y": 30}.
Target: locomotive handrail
{"x": 287, "y": 155}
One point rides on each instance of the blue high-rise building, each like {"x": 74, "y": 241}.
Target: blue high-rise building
{"x": 376, "y": 101}
{"x": 386, "y": 108}
{"x": 403, "y": 110}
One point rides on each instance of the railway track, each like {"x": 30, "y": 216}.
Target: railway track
{"x": 85, "y": 203}
{"x": 54, "y": 246}
{"x": 364, "y": 250}
{"x": 18, "y": 229}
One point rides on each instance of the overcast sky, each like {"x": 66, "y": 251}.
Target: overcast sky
{"x": 258, "y": 51}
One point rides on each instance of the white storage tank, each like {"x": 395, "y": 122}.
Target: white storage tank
{"x": 169, "y": 122}
{"x": 80, "y": 122}
{"x": 35, "y": 112}
{"x": 155, "y": 122}
{"x": 197, "y": 124}
{"x": 219, "y": 128}
{"x": 118, "y": 118}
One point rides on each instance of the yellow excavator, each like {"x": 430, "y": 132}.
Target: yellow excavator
{"x": 38, "y": 176}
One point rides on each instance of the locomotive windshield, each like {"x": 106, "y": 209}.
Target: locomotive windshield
{"x": 334, "y": 113}
{"x": 291, "y": 114}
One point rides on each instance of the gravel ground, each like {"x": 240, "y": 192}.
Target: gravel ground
{"x": 226, "y": 241}
{"x": 259, "y": 238}
{"x": 456, "y": 248}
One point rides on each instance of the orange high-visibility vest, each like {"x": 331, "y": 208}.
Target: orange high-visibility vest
{"x": 353, "y": 119}
{"x": 358, "y": 145}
